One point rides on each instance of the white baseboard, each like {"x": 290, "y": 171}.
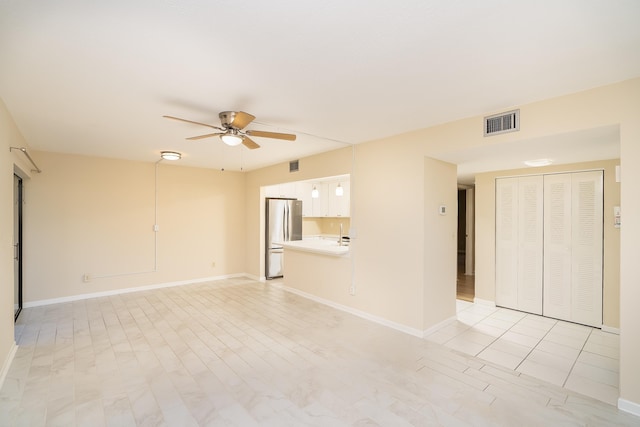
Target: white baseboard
{"x": 611, "y": 330}
{"x": 628, "y": 406}
{"x": 380, "y": 320}
{"x": 7, "y": 363}
{"x": 439, "y": 325}
{"x": 129, "y": 290}
{"x": 484, "y": 302}
{"x": 249, "y": 276}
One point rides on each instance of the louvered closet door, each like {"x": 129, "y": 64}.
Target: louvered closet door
{"x": 573, "y": 247}
{"x": 507, "y": 242}
{"x": 587, "y": 238}
{"x": 519, "y": 243}
{"x": 557, "y": 246}
{"x": 530, "y": 244}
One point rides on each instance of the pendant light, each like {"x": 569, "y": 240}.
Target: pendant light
{"x": 315, "y": 193}
{"x": 339, "y": 190}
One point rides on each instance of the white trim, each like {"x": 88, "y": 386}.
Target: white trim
{"x": 248, "y": 276}
{"x": 439, "y": 325}
{"x": 380, "y": 320}
{"x": 610, "y": 330}
{"x": 628, "y": 406}
{"x": 484, "y": 302}
{"x": 129, "y": 290}
{"x": 7, "y": 363}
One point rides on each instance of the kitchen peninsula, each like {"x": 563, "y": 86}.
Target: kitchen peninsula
{"x": 318, "y": 268}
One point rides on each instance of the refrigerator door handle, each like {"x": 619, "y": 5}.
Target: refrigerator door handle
{"x": 286, "y": 222}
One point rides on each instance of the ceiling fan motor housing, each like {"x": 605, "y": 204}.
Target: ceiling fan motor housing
{"x": 226, "y": 118}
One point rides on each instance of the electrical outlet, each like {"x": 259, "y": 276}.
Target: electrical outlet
{"x": 86, "y": 278}
{"x": 213, "y": 264}
{"x": 352, "y": 290}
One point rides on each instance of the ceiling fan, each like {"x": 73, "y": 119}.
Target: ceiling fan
{"x": 231, "y": 131}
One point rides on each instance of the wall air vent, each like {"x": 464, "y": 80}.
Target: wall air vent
{"x": 294, "y": 165}
{"x": 502, "y": 123}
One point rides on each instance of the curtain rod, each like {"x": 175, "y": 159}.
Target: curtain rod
{"x": 24, "y": 150}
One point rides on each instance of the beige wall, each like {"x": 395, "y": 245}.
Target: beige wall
{"x": 440, "y": 242}
{"x": 629, "y": 238}
{"x": 10, "y": 162}
{"x": 485, "y": 222}
{"x": 88, "y": 215}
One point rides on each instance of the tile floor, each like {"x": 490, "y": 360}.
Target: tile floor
{"x": 576, "y": 357}
{"x": 243, "y": 353}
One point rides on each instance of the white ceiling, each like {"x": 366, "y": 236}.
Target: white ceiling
{"x": 95, "y": 78}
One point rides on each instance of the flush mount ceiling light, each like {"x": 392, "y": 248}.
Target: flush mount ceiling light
{"x": 538, "y": 162}
{"x": 339, "y": 190}
{"x": 170, "y": 155}
{"x": 231, "y": 138}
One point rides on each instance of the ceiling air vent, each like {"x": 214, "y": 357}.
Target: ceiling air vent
{"x": 502, "y": 123}
{"x": 294, "y": 165}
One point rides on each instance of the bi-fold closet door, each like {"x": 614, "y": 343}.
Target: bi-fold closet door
{"x": 549, "y": 245}
{"x": 519, "y": 230}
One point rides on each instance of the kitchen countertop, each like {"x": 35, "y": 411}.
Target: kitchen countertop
{"x": 319, "y": 246}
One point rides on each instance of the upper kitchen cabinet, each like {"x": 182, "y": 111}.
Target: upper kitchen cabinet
{"x": 320, "y": 204}
{"x": 338, "y": 198}
{"x": 303, "y": 192}
{"x": 286, "y": 190}
{"x": 333, "y": 198}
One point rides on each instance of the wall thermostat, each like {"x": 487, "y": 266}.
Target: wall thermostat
{"x": 442, "y": 210}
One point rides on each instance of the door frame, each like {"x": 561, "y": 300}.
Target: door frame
{"x": 18, "y": 189}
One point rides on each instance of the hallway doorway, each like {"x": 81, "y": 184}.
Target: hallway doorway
{"x": 465, "y": 279}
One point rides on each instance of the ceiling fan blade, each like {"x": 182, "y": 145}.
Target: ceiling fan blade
{"x": 275, "y": 135}
{"x": 249, "y": 143}
{"x": 191, "y": 121}
{"x": 209, "y": 135}
{"x": 241, "y": 119}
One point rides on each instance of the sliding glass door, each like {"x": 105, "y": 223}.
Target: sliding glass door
{"x": 17, "y": 244}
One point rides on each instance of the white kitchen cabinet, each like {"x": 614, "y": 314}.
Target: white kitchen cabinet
{"x": 320, "y": 204}
{"x": 303, "y": 192}
{"x": 327, "y": 204}
{"x": 339, "y": 206}
{"x": 286, "y": 190}
{"x": 271, "y": 191}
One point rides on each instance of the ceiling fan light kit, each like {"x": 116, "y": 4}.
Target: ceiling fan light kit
{"x": 232, "y": 133}
{"x": 231, "y": 139}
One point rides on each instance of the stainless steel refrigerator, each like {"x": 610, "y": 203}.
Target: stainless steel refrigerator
{"x": 283, "y": 222}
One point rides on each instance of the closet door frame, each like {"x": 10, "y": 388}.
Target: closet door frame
{"x": 571, "y": 246}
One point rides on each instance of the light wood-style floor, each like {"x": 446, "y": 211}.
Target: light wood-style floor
{"x": 243, "y": 353}
{"x": 465, "y": 284}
